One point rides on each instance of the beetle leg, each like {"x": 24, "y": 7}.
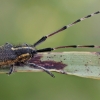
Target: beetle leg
{"x": 40, "y": 67}
{"x": 11, "y": 70}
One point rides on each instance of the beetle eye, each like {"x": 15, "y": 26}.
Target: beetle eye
{"x": 33, "y": 52}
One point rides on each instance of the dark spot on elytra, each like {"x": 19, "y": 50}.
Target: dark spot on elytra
{"x": 48, "y": 64}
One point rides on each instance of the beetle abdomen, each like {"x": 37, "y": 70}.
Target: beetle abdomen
{"x": 6, "y": 54}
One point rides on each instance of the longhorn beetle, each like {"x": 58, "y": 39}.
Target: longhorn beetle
{"x": 13, "y": 55}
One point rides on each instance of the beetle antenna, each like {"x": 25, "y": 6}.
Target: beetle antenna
{"x": 64, "y": 28}
{"x": 70, "y": 46}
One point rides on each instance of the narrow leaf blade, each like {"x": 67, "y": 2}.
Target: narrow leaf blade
{"x": 83, "y": 64}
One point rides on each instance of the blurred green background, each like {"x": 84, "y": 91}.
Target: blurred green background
{"x": 26, "y": 21}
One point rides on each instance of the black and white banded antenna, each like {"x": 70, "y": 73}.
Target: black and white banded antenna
{"x": 64, "y": 28}
{"x": 69, "y": 46}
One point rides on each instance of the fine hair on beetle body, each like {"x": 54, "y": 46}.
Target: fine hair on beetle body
{"x": 11, "y": 55}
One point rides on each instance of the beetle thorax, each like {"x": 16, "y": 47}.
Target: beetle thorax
{"x": 24, "y": 53}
